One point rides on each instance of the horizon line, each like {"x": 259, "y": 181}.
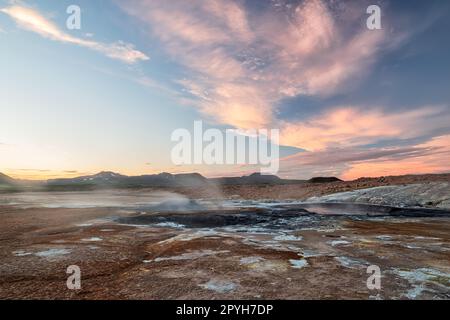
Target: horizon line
{"x": 14, "y": 177}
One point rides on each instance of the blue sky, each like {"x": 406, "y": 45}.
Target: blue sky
{"x": 348, "y": 101}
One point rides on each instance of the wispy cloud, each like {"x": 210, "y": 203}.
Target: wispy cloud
{"x": 31, "y": 170}
{"x": 348, "y": 142}
{"x": 353, "y": 126}
{"x": 41, "y": 174}
{"x": 242, "y": 64}
{"x": 33, "y": 20}
{"x": 431, "y": 157}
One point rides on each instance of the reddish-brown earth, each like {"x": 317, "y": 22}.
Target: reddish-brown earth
{"x": 302, "y": 191}
{"x": 145, "y": 262}
{"x": 322, "y": 257}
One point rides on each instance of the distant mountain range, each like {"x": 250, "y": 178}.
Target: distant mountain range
{"x": 108, "y": 179}
{"x": 5, "y": 180}
{"x": 255, "y": 178}
{"x": 165, "y": 179}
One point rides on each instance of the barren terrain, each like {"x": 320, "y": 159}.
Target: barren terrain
{"x": 176, "y": 248}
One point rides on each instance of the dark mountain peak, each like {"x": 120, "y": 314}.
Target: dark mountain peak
{"x": 165, "y": 175}
{"x": 254, "y": 178}
{"x": 190, "y": 179}
{"x": 260, "y": 176}
{"x": 4, "y": 179}
{"x": 193, "y": 175}
{"x": 323, "y": 179}
{"x": 101, "y": 178}
{"x": 107, "y": 174}
{"x": 255, "y": 174}
{"x": 4, "y": 176}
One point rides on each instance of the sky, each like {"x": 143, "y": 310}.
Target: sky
{"x": 347, "y": 101}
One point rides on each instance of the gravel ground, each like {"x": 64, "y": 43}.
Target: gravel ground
{"x": 303, "y": 256}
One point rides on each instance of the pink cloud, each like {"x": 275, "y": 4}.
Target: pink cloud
{"x": 242, "y": 64}
{"x": 351, "y": 126}
{"x": 34, "y": 21}
{"x": 432, "y": 156}
{"x": 232, "y": 15}
{"x": 436, "y": 160}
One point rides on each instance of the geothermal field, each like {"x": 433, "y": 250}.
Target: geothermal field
{"x": 178, "y": 244}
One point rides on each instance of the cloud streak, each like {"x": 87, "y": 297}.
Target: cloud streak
{"x": 241, "y": 64}
{"x": 350, "y": 163}
{"x": 33, "y": 20}
{"x": 353, "y": 126}
{"x": 338, "y": 142}
{"x": 430, "y": 157}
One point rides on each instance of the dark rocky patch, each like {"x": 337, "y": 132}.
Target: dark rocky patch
{"x": 212, "y": 219}
{"x": 280, "y": 217}
{"x": 324, "y": 180}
